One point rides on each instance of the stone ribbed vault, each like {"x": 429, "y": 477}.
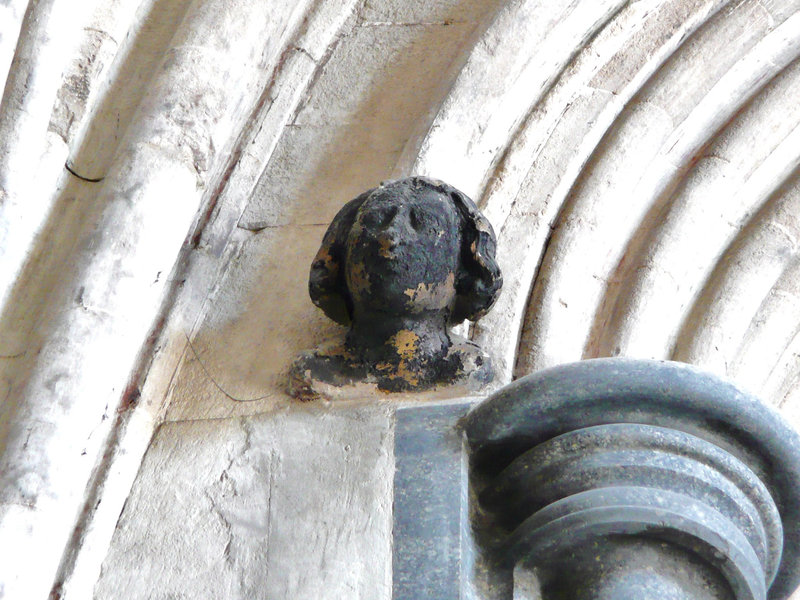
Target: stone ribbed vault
{"x": 168, "y": 167}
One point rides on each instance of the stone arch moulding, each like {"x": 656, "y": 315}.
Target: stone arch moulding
{"x": 167, "y": 169}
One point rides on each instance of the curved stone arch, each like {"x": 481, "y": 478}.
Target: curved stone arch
{"x": 77, "y": 340}
{"x": 560, "y": 129}
{"x": 758, "y": 263}
{"x": 738, "y": 171}
{"x": 529, "y": 106}
{"x": 612, "y": 204}
{"x": 748, "y": 71}
{"x": 737, "y": 175}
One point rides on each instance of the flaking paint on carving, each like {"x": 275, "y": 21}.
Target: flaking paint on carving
{"x": 431, "y": 294}
{"x": 407, "y": 344}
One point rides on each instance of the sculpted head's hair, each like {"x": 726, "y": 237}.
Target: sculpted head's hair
{"x": 478, "y": 280}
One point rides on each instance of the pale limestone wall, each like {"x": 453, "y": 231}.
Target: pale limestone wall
{"x": 290, "y": 505}
{"x": 639, "y": 161}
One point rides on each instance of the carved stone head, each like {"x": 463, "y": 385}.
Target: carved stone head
{"x": 398, "y": 265}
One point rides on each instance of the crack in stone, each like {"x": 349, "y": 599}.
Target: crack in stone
{"x": 81, "y": 177}
{"x": 445, "y": 23}
{"x": 214, "y": 381}
{"x": 307, "y": 53}
{"x": 229, "y": 561}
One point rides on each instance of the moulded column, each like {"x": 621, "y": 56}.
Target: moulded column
{"x": 620, "y": 478}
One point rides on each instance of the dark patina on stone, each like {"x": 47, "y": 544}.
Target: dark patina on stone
{"x": 399, "y": 265}
{"x": 632, "y": 479}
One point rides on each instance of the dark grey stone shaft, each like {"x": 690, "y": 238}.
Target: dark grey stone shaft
{"x": 580, "y": 463}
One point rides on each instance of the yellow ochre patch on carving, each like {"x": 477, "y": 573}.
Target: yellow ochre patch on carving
{"x": 432, "y": 294}
{"x": 324, "y": 256}
{"x": 359, "y": 278}
{"x": 406, "y": 343}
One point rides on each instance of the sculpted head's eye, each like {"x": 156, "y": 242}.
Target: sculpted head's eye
{"x": 387, "y": 216}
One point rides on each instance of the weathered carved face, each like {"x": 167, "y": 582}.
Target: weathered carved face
{"x": 398, "y": 265}
{"x": 402, "y": 253}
